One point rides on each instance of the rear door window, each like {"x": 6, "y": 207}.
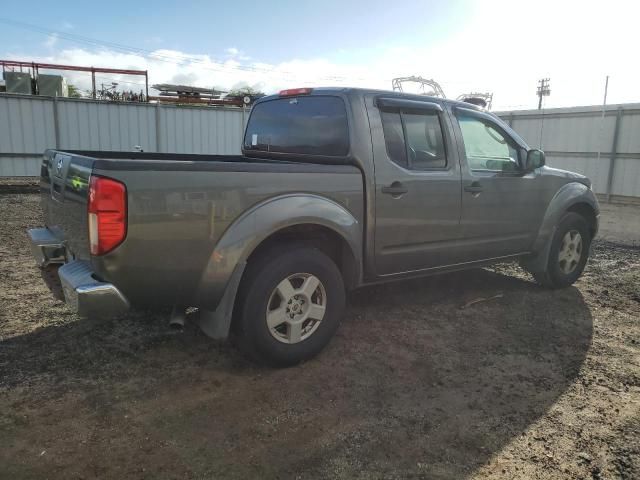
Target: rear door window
{"x": 314, "y": 125}
{"x": 394, "y": 137}
{"x": 425, "y": 142}
{"x": 414, "y": 139}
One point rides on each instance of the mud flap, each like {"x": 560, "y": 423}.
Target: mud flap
{"x": 215, "y": 324}
{"x": 538, "y": 263}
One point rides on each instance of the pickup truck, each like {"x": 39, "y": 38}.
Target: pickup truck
{"x": 336, "y": 188}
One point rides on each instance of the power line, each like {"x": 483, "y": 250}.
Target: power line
{"x": 177, "y": 59}
{"x": 183, "y": 59}
{"x": 116, "y": 46}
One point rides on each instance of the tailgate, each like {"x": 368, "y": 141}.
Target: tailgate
{"x": 64, "y": 192}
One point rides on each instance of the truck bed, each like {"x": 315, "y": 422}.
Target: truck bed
{"x": 178, "y": 207}
{"x": 177, "y": 157}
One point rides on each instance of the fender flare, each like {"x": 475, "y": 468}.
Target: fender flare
{"x": 221, "y": 276}
{"x": 567, "y": 196}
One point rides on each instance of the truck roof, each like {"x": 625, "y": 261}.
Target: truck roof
{"x": 356, "y": 90}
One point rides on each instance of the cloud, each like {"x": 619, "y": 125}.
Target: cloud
{"x": 67, "y": 26}
{"x": 172, "y": 66}
{"x": 51, "y": 40}
{"x": 237, "y": 54}
{"x": 184, "y": 79}
{"x": 455, "y": 66}
{"x": 493, "y": 53}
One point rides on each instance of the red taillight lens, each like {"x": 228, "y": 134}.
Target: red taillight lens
{"x": 295, "y": 91}
{"x": 107, "y": 214}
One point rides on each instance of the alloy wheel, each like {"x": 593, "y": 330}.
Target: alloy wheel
{"x": 296, "y": 308}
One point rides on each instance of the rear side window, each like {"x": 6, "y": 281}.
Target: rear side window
{"x": 414, "y": 139}
{"x": 315, "y": 125}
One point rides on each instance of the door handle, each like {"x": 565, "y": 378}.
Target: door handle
{"x": 474, "y": 187}
{"x": 395, "y": 189}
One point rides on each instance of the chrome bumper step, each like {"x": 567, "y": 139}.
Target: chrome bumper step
{"x": 86, "y": 295}
{"x": 45, "y": 247}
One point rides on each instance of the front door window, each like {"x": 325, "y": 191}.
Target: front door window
{"x": 486, "y": 148}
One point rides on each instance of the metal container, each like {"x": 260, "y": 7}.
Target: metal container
{"x": 52, "y": 86}
{"x": 18, "y": 82}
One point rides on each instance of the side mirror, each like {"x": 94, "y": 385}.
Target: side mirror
{"x": 535, "y": 159}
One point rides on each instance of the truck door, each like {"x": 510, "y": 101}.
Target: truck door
{"x": 417, "y": 185}
{"x": 502, "y": 205}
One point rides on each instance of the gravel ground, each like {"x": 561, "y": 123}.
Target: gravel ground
{"x": 420, "y": 382}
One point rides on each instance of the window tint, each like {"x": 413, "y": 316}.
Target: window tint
{"x": 424, "y": 139}
{"x": 394, "y": 137}
{"x": 486, "y": 147}
{"x": 315, "y": 125}
{"x": 414, "y": 140}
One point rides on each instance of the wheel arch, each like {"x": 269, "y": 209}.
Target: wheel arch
{"x": 586, "y": 211}
{"x": 319, "y": 236}
{"x": 571, "y": 197}
{"x": 310, "y": 218}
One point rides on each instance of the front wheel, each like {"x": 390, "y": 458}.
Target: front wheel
{"x": 290, "y": 305}
{"x": 568, "y": 254}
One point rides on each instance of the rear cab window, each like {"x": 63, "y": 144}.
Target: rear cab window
{"x": 301, "y": 125}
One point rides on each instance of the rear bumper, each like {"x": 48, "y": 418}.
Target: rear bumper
{"x": 86, "y": 295}
{"x": 45, "y": 247}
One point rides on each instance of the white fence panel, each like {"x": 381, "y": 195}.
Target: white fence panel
{"x": 26, "y": 125}
{"x": 31, "y": 124}
{"x": 573, "y": 137}
{"x": 101, "y": 126}
{"x": 198, "y": 130}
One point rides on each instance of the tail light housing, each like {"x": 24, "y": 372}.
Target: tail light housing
{"x": 107, "y": 211}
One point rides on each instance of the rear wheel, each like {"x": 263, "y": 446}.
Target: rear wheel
{"x": 568, "y": 254}
{"x": 290, "y": 305}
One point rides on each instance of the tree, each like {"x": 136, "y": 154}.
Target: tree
{"x": 73, "y": 91}
{"x": 245, "y": 91}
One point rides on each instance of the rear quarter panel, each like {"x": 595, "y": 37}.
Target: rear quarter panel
{"x": 177, "y": 213}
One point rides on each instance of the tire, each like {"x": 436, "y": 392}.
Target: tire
{"x": 265, "y": 299}
{"x": 562, "y": 269}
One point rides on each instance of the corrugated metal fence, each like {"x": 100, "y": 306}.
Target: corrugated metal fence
{"x": 571, "y": 137}
{"x": 30, "y": 124}
{"x": 605, "y": 148}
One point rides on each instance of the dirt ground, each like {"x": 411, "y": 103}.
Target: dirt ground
{"x": 530, "y": 384}
{"x": 620, "y": 223}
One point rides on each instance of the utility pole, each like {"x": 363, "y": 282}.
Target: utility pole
{"x": 604, "y": 104}
{"x": 543, "y": 90}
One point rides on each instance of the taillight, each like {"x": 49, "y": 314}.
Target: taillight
{"x": 295, "y": 91}
{"x": 107, "y": 214}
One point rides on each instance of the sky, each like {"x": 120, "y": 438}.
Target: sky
{"x": 497, "y": 46}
